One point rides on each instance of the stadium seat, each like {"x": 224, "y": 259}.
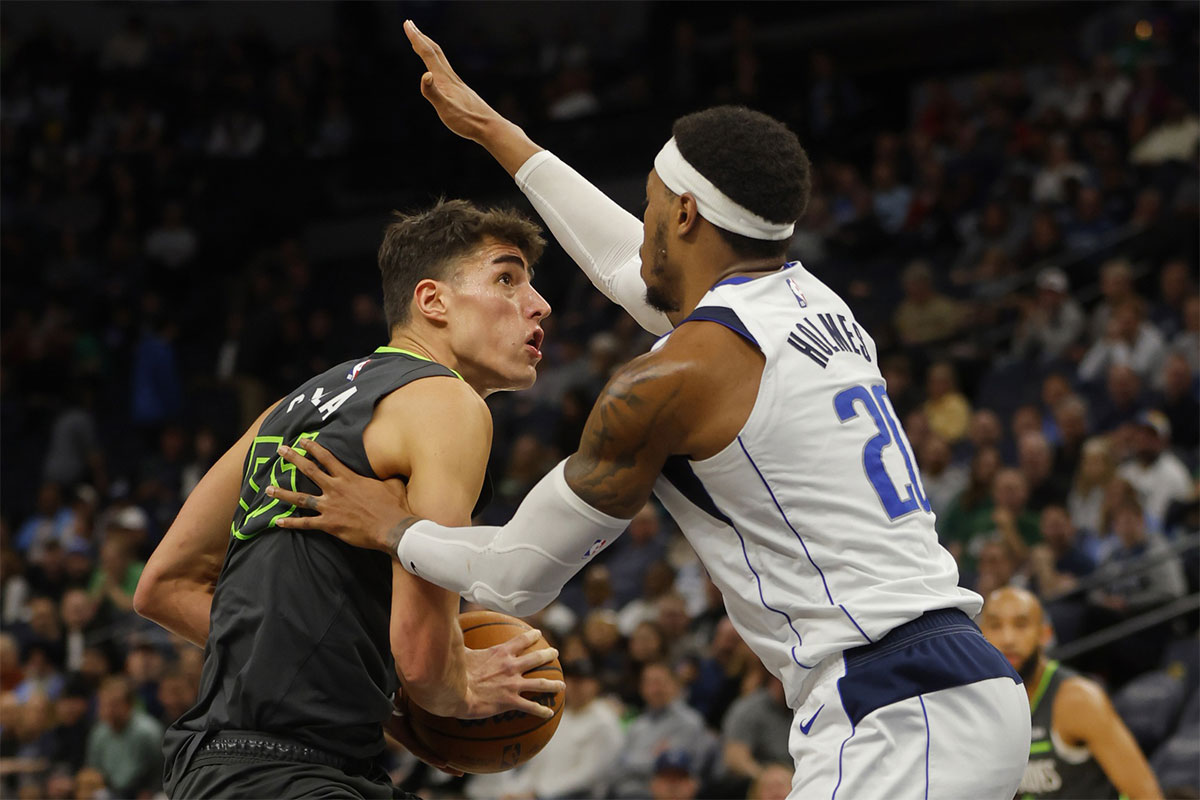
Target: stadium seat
{"x": 1150, "y": 705}
{"x": 1177, "y": 762}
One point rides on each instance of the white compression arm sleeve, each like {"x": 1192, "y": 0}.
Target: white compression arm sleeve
{"x": 521, "y": 567}
{"x": 601, "y": 237}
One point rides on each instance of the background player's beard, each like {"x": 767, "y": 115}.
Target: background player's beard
{"x": 1028, "y": 667}
{"x": 659, "y": 296}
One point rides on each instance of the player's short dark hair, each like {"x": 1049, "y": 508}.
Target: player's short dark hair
{"x": 427, "y": 244}
{"x": 755, "y": 160}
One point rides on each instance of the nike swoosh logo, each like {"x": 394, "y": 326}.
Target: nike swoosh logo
{"x": 805, "y": 727}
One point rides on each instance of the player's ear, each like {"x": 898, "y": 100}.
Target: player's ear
{"x": 1047, "y": 637}
{"x": 429, "y": 300}
{"x": 687, "y": 214}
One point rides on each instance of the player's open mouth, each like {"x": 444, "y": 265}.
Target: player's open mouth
{"x": 534, "y": 342}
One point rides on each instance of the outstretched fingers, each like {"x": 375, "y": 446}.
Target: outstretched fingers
{"x": 429, "y": 51}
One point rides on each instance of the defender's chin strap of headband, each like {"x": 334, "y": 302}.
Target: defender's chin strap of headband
{"x": 680, "y": 176}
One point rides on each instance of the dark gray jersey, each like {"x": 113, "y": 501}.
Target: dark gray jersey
{"x": 1057, "y": 769}
{"x": 299, "y": 639}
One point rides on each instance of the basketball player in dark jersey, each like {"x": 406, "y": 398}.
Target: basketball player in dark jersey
{"x": 1079, "y": 747}
{"x": 304, "y": 635}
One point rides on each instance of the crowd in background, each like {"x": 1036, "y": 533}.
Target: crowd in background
{"x": 1020, "y": 241}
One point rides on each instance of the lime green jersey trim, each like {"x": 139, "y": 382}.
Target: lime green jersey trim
{"x": 386, "y": 349}
{"x": 1047, "y": 674}
{"x": 1040, "y": 747}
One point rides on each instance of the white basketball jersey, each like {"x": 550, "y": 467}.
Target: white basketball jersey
{"x": 813, "y": 522}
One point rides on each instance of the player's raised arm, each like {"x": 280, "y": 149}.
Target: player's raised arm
{"x": 599, "y": 235}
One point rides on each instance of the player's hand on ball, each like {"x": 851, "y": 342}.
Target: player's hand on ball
{"x": 496, "y": 678}
{"x": 460, "y": 108}
{"x": 358, "y": 510}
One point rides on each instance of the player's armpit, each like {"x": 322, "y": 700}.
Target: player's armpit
{"x": 634, "y": 427}
{"x": 1083, "y": 714}
{"x": 175, "y": 589}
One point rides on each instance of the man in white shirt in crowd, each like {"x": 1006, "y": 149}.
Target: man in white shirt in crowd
{"x": 1157, "y": 474}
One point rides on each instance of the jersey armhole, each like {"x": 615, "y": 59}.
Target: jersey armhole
{"x": 722, "y": 315}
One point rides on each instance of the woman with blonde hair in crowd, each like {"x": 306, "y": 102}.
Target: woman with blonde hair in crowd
{"x": 1086, "y": 498}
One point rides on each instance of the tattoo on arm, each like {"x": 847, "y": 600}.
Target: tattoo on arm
{"x": 628, "y": 436}
{"x": 397, "y": 533}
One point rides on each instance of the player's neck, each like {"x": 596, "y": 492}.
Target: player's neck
{"x": 706, "y": 279}
{"x": 1035, "y": 680}
{"x": 414, "y": 344}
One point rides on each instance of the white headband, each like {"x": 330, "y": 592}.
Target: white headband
{"x": 679, "y": 176}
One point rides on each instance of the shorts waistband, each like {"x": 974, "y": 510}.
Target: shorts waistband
{"x": 253, "y": 744}
{"x": 931, "y": 623}
{"x": 939, "y": 650}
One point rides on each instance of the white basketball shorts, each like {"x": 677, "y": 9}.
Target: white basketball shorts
{"x": 932, "y": 710}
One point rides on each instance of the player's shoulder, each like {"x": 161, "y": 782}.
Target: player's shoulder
{"x": 1079, "y": 701}
{"x": 436, "y": 398}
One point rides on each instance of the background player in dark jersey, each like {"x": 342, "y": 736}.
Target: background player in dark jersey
{"x": 1080, "y": 747}
{"x": 299, "y": 673}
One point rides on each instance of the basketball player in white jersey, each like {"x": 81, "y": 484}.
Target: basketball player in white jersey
{"x": 761, "y": 422}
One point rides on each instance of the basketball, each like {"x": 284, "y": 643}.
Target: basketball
{"x": 498, "y": 743}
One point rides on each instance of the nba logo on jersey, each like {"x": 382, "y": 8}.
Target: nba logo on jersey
{"x": 800, "y": 298}
{"x": 596, "y": 547}
{"x": 352, "y": 374}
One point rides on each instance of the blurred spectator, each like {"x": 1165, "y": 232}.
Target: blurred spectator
{"x": 942, "y": 479}
{"x": 997, "y": 567}
{"x": 891, "y": 198}
{"x": 774, "y": 783}
{"x": 78, "y": 618}
{"x": 172, "y": 244}
{"x": 1175, "y": 139}
{"x": 126, "y": 743}
{"x": 754, "y": 734}
{"x": 1036, "y": 461}
{"x": 1116, "y": 287}
{"x": 72, "y": 722}
{"x": 73, "y": 453}
{"x": 975, "y": 498}
{"x": 43, "y": 631}
{"x": 948, "y": 411}
{"x": 1177, "y": 400}
{"x": 1125, "y": 594}
{"x": 1059, "y": 167}
{"x": 1086, "y": 498}
{"x": 924, "y": 316}
{"x": 1187, "y": 341}
{"x": 667, "y": 724}
{"x": 630, "y": 558}
{"x": 1129, "y": 340}
{"x": 674, "y": 777}
{"x": 116, "y": 576}
{"x": 1052, "y": 323}
{"x": 1123, "y": 399}
{"x": 1005, "y": 517}
{"x": 1060, "y": 559}
{"x": 1175, "y": 287}
{"x": 1112, "y": 83}
{"x": 51, "y": 522}
{"x": 721, "y": 673}
{"x": 1071, "y": 420}
{"x": 1154, "y": 471}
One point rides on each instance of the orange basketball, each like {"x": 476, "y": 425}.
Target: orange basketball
{"x": 498, "y": 743}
